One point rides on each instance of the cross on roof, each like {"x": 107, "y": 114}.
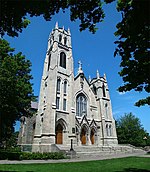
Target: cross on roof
{"x": 80, "y": 64}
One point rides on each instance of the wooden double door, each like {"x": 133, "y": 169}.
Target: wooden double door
{"x": 84, "y": 136}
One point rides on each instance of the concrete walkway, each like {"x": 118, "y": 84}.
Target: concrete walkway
{"x": 73, "y": 160}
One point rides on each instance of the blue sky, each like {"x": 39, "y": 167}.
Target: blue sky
{"x": 94, "y": 50}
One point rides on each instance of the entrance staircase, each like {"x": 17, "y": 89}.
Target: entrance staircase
{"x": 94, "y": 151}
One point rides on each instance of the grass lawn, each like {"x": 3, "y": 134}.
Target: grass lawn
{"x": 130, "y": 164}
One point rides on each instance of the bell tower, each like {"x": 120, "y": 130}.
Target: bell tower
{"x": 109, "y": 136}
{"x": 56, "y": 89}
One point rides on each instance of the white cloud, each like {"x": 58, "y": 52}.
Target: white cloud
{"x": 121, "y": 93}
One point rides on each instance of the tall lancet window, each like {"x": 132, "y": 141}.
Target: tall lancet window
{"x": 103, "y": 88}
{"x": 65, "y": 40}
{"x": 81, "y": 105}
{"x": 58, "y": 85}
{"x": 110, "y": 130}
{"x": 65, "y": 87}
{"x": 60, "y": 38}
{"x": 64, "y": 104}
{"x": 106, "y": 110}
{"x": 63, "y": 59}
{"x": 57, "y": 102}
{"x": 107, "y": 130}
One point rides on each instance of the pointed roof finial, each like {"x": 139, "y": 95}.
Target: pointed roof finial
{"x": 69, "y": 31}
{"x": 89, "y": 78}
{"x": 98, "y": 76}
{"x": 56, "y": 26}
{"x": 63, "y": 28}
{"x": 80, "y": 64}
{"x": 104, "y": 76}
{"x": 80, "y": 67}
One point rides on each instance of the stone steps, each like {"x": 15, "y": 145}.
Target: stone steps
{"x": 92, "y": 151}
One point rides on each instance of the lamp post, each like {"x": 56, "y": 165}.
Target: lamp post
{"x": 145, "y": 138}
{"x": 71, "y": 149}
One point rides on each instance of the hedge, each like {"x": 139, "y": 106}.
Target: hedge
{"x": 29, "y": 156}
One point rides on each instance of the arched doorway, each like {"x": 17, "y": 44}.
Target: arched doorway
{"x": 92, "y": 136}
{"x": 59, "y": 134}
{"x": 83, "y": 136}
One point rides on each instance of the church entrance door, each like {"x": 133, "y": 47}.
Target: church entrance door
{"x": 59, "y": 134}
{"x": 83, "y": 136}
{"x": 92, "y": 136}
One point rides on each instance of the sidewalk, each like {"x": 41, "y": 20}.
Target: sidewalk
{"x": 72, "y": 160}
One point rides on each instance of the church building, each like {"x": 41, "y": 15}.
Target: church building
{"x": 71, "y": 107}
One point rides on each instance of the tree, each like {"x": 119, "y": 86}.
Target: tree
{"x": 16, "y": 90}
{"x": 14, "y": 13}
{"x": 130, "y": 130}
{"x": 133, "y": 46}
{"x": 133, "y": 31}
{"x": 12, "y": 141}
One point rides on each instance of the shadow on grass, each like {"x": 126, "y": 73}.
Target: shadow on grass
{"x": 133, "y": 170}
{"x": 13, "y": 171}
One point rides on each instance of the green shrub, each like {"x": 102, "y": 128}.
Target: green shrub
{"x": 10, "y": 155}
{"x": 44, "y": 156}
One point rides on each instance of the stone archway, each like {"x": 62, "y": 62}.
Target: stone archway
{"x": 92, "y": 136}
{"x": 59, "y": 134}
{"x": 83, "y": 136}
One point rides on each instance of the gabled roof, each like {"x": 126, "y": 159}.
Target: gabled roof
{"x": 77, "y": 76}
{"x": 84, "y": 119}
{"x": 93, "y": 123}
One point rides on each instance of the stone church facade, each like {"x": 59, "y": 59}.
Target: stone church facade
{"x": 70, "y": 107}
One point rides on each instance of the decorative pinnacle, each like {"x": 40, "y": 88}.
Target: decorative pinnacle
{"x": 98, "y": 76}
{"x": 80, "y": 64}
{"x": 89, "y": 78}
{"x": 104, "y": 76}
{"x": 56, "y": 26}
{"x": 69, "y": 31}
{"x": 80, "y": 67}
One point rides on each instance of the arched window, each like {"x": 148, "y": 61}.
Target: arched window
{"x": 107, "y": 132}
{"x": 81, "y": 105}
{"x": 106, "y": 110}
{"x": 63, "y": 59}
{"x": 64, "y": 104}
{"x": 60, "y": 38}
{"x": 65, "y": 40}
{"x": 65, "y": 87}
{"x": 103, "y": 88}
{"x": 58, "y": 84}
{"x": 57, "y": 102}
{"x": 110, "y": 130}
